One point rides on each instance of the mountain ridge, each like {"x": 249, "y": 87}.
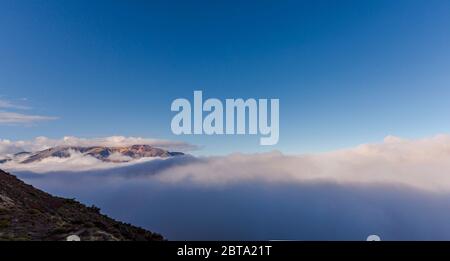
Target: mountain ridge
{"x": 102, "y": 153}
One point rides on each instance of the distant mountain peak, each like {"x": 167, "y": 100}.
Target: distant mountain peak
{"x": 102, "y": 153}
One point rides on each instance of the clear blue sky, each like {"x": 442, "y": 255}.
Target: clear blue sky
{"x": 346, "y": 72}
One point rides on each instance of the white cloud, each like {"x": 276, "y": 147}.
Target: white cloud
{"x": 9, "y": 117}
{"x": 4, "y": 104}
{"x": 118, "y": 157}
{"x": 119, "y": 141}
{"x": 15, "y": 118}
{"x": 423, "y": 164}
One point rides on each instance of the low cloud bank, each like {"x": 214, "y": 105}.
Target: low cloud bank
{"x": 421, "y": 164}
{"x": 256, "y": 211}
{"x": 398, "y": 189}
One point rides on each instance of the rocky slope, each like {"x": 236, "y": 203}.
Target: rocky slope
{"x": 27, "y": 213}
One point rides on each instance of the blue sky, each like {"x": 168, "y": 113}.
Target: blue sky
{"x": 346, "y": 72}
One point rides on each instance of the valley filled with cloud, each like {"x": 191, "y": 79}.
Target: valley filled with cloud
{"x": 421, "y": 164}
{"x": 398, "y": 189}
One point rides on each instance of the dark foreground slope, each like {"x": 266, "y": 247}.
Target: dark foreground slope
{"x": 27, "y": 213}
